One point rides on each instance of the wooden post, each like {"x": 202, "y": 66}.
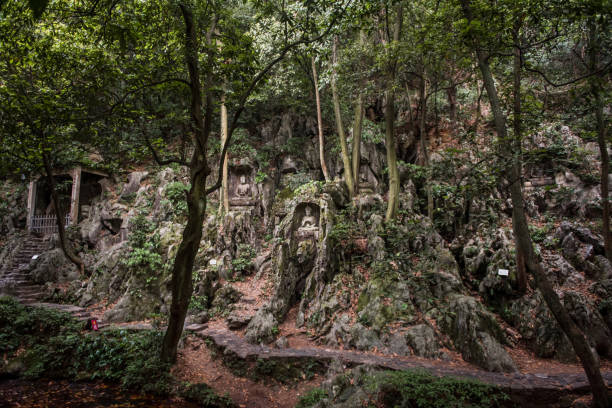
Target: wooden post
{"x": 31, "y": 203}
{"x": 74, "y": 198}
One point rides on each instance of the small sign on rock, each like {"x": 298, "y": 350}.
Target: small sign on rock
{"x": 502, "y": 272}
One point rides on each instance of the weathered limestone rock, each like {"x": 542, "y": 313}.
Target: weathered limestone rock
{"x": 302, "y": 258}
{"x": 422, "y": 339}
{"x": 52, "y": 266}
{"x": 537, "y": 326}
{"x": 133, "y": 184}
{"x": 475, "y": 334}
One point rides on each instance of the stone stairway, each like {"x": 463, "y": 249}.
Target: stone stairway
{"x": 17, "y": 280}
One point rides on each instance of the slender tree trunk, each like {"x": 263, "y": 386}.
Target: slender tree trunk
{"x": 605, "y": 170}
{"x": 394, "y": 181}
{"x": 182, "y": 285}
{"x": 319, "y": 122}
{"x": 521, "y": 232}
{"x": 60, "y": 214}
{"x": 224, "y": 184}
{"x": 357, "y": 128}
{"x": 451, "y": 94}
{"x": 346, "y": 160}
{"x": 423, "y": 140}
{"x": 521, "y": 273}
{"x": 596, "y": 91}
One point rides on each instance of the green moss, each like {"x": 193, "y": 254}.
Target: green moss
{"x": 285, "y": 194}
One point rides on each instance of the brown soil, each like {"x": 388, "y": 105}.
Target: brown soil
{"x": 197, "y": 364}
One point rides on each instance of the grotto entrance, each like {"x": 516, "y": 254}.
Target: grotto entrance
{"x": 77, "y": 188}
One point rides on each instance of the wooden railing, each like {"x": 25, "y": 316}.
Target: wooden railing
{"x": 46, "y": 224}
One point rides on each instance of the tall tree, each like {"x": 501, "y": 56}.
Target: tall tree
{"x": 391, "y": 41}
{"x": 346, "y": 159}
{"x": 315, "y": 81}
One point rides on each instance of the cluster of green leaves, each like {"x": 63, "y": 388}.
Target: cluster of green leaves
{"x": 243, "y": 263}
{"x": 311, "y": 398}
{"x": 198, "y": 303}
{"x": 205, "y": 396}
{"x": 145, "y": 256}
{"x": 175, "y": 192}
{"x": 345, "y": 230}
{"x": 420, "y": 389}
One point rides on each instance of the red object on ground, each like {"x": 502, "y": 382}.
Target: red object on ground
{"x": 94, "y": 324}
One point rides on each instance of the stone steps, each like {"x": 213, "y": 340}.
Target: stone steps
{"x": 17, "y": 278}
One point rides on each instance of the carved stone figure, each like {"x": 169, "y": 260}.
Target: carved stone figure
{"x": 308, "y": 221}
{"x": 243, "y": 190}
{"x": 308, "y": 225}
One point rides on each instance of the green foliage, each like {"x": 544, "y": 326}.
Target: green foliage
{"x": 55, "y": 347}
{"x": 205, "y": 396}
{"x": 422, "y": 390}
{"x": 243, "y": 263}
{"x": 311, "y": 398}
{"x": 145, "y": 257}
{"x": 175, "y": 192}
{"x": 198, "y": 303}
{"x": 260, "y": 176}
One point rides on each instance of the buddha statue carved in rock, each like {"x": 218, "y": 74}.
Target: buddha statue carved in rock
{"x": 309, "y": 222}
{"x": 244, "y": 189}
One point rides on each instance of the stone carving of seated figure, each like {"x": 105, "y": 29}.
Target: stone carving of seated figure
{"x": 243, "y": 190}
{"x": 309, "y": 222}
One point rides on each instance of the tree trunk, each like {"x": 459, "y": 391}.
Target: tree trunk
{"x": 596, "y": 91}
{"x": 60, "y": 214}
{"x": 224, "y": 184}
{"x": 182, "y": 285}
{"x": 357, "y": 128}
{"x": 319, "y": 122}
{"x": 346, "y": 160}
{"x": 521, "y": 232}
{"x": 394, "y": 181}
{"x": 605, "y": 170}
{"x": 422, "y": 138}
{"x": 451, "y": 93}
{"x": 521, "y": 273}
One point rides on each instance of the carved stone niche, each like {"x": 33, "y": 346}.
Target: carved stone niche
{"x": 367, "y": 179}
{"x": 306, "y": 221}
{"x": 241, "y": 185}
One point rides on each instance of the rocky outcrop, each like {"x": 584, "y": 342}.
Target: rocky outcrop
{"x": 476, "y": 334}
{"x": 302, "y": 261}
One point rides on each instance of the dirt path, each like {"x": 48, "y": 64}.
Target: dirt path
{"x": 537, "y": 384}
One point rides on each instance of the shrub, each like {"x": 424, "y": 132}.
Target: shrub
{"x": 54, "y": 346}
{"x": 175, "y": 192}
{"x": 422, "y": 390}
{"x": 205, "y": 397}
{"x": 311, "y": 398}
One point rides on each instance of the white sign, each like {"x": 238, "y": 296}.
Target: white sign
{"x": 502, "y": 272}
{"x": 213, "y": 262}
{"x": 34, "y": 256}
